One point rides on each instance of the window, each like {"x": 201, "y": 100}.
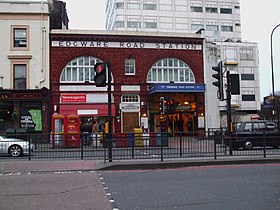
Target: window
{"x": 20, "y": 37}
{"x": 20, "y": 73}
{"x": 119, "y": 24}
{"x": 247, "y": 77}
{"x": 212, "y": 28}
{"x": 170, "y": 69}
{"x": 246, "y": 54}
{"x": 196, "y": 27}
{"x": 248, "y": 98}
{"x": 226, "y": 28}
{"x": 119, "y": 5}
{"x": 79, "y": 70}
{"x": 130, "y": 98}
{"x": 150, "y": 24}
{"x": 248, "y": 127}
{"x": 196, "y": 9}
{"x": 211, "y": 10}
{"x": 236, "y": 7}
{"x": 225, "y": 10}
{"x": 133, "y": 5}
{"x": 130, "y": 66}
{"x": 149, "y": 6}
{"x": 133, "y": 24}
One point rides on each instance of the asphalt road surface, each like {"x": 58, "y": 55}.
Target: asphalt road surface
{"x": 255, "y": 186}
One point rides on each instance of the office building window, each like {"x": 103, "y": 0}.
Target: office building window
{"x": 129, "y": 66}
{"x": 20, "y": 37}
{"x": 246, "y": 54}
{"x": 211, "y": 10}
{"x": 247, "y": 77}
{"x": 149, "y": 6}
{"x": 133, "y": 5}
{"x": 226, "y": 28}
{"x": 212, "y": 28}
{"x": 225, "y": 10}
{"x": 119, "y": 5}
{"x": 196, "y": 27}
{"x": 248, "y": 98}
{"x": 133, "y": 24}
{"x": 150, "y": 24}
{"x": 196, "y": 9}
{"x": 20, "y": 74}
{"x": 119, "y": 24}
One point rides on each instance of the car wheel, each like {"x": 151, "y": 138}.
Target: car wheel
{"x": 15, "y": 150}
{"x": 248, "y": 145}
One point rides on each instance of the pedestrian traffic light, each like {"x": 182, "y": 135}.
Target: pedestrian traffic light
{"x": 161, "y": 105}
{"x": 219, "y": 83}
{"x": 100, "y": 74}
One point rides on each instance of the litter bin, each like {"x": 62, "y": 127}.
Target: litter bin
{"x": 138, "y": 137}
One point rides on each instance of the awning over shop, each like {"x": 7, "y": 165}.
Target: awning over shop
{"x": 86, "y": 109}
{"x": 177, "y": 87}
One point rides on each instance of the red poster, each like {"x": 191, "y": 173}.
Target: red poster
{"x": 73, "y": 98}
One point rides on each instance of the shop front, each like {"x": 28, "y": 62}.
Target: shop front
{"x": 25, "y": 109}
{"x": 89, "y": 113}
{"x": 183, "y": 109}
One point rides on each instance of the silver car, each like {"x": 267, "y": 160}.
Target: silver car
{"x": 14, "y": 147}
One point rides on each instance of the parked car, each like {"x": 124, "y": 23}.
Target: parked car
{"x": 14, "y": 147}
{"x": 251, "y": 134}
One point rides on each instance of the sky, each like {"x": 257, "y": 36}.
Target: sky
{"x": 258, "y": 18}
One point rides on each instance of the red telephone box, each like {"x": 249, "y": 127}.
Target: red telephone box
{"x": 57, "y": 135}
{"x": 72, "y": 131}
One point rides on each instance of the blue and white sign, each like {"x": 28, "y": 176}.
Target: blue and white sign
{"x": 178, "y": 88}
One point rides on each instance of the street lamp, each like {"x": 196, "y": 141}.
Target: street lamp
{"x": 272, "y": 71}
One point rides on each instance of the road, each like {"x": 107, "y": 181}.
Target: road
{"x": 68, "y": 190}
{"x": 209, "y": 187}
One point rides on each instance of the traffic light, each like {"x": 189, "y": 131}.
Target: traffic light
{"x": 100, "y": 74}
{"x": 171, "y": 106}
{"x": 219, "y": 76}
{"x": 161, "y": 105}
{"x": 234, "y": 84}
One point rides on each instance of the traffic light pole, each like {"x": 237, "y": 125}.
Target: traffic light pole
{"x": 229, "y": 120}
{"x": 110, "y": 110}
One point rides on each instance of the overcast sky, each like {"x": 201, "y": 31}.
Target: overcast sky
{"x": 258, "y": 18}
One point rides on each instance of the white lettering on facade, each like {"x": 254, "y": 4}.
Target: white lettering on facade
{"x": 135, "y": 45}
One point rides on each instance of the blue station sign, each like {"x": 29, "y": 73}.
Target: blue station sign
{"x": 177, "y": 87}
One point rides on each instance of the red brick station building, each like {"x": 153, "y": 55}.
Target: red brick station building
{"x": 144, "y": 68}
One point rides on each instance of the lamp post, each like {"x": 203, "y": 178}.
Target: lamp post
{"x": 272, "y": 71}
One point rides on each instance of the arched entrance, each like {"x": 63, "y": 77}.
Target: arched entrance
{"x": 174, "y": 80}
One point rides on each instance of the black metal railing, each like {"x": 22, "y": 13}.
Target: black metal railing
{"x": 143, "y": 145}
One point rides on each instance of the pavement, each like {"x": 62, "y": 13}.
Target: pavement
{"x": 50, "y": 165}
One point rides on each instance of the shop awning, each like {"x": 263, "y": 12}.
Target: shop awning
{"x": 177, "y": 87}
{"x": 86, "y": 109}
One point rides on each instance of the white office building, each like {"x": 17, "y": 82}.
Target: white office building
{"x": 220, "y": 22}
